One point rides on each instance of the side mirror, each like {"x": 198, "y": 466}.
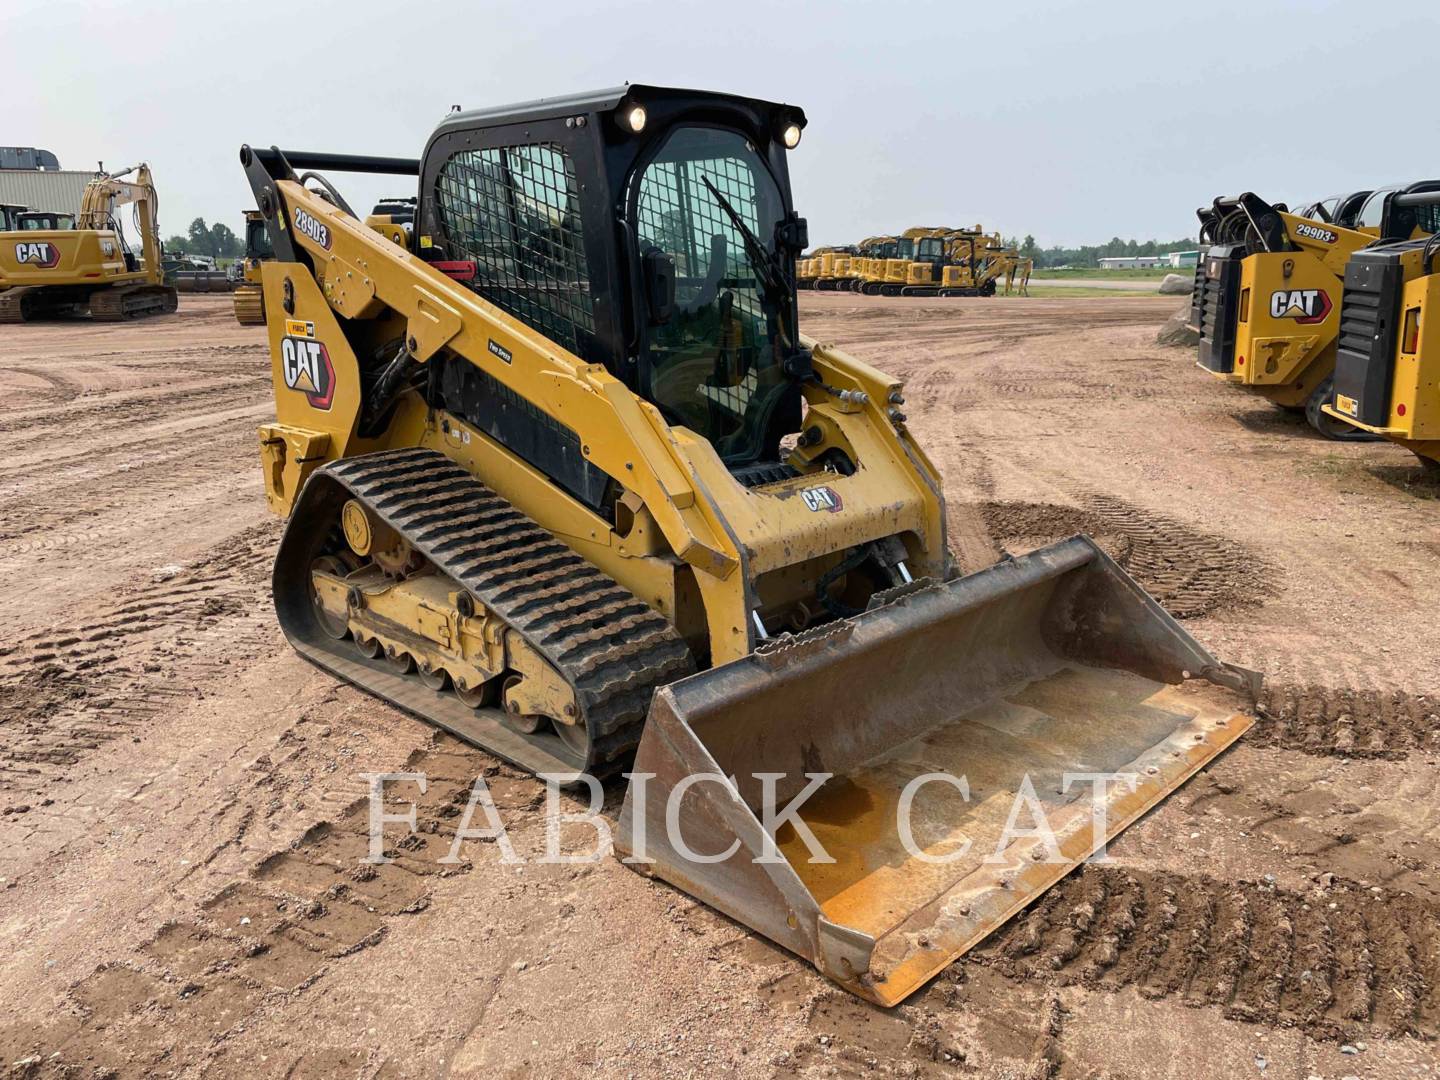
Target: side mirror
{"x": 793, "y": 232}
{"x": 658, "y": 272}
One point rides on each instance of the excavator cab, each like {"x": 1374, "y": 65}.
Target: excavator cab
{"x": 35, "y": 220}
{"x": 564, "y": 477}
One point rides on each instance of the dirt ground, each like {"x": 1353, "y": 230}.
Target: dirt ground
{"x": 183, "y": 797}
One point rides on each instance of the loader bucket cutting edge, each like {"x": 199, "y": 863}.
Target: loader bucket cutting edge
{"x": 1051, "y": 664}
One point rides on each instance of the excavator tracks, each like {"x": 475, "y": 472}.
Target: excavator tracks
{"x": 606, "y": 643}
{"x": 107, "y": 304}
{"x": 13, "y": 308}
{"x": 27, "y": 302}
{"x": 132, "y": 301}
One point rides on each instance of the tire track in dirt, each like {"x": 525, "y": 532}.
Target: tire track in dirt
{"x": 275, "y": 934}
{"x": 1340, "y": 961}
{"x": 132, "y": 405}
{"x": 58, "y": 390}
{"x": 1346, "y": 722}
{"x": 75, "y": 514}
{"x": 1190, "y": 573}
{"x": 66, "y": 692}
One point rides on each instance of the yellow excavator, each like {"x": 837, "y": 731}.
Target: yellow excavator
{"x": 955, "y": 262}
{"x": 248, "y": 298}
{"x": 885, "y": 265}
{"x": 862, "y": 263}
{"x": 1267, "y": 293}
{"x": 1387, "y": 365}
{"x": 46, "y": 273}
{"x": 563, "y": 477}
{"x": 831, "y": 268}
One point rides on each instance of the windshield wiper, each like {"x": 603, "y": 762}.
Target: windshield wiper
{"x": 771, "y": 269}
{"x": 766, "y": 262}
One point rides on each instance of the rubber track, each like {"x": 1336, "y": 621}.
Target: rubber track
{"x": 612, "y": 647}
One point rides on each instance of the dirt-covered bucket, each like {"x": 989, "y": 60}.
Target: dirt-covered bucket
{"x": 960, "y": 748}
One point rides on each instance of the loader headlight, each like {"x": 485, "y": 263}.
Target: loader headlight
{"x": 790, "y": 135}
{"x": 632, "y": 117}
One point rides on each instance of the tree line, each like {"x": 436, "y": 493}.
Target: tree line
{"x": 218, "y": 241}
{"x": 1091, "y": 254}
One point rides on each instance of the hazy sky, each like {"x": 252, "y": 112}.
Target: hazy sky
{"x": 1072, "y": 121}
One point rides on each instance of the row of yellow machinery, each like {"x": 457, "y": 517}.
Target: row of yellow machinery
{"x": 564, "y": 477}
{"x": 1324, "y": 310}
{"x": 934, "y": 261}
{"x": 54, "y": 264}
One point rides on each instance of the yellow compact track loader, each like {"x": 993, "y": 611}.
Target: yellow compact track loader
{"x": 564, "y": 478}
{"x": 1387, "y": 367}
{"x": 248, "y": 299}
{"x": 1267, "y": 295}
{"x": 58, "y": 272}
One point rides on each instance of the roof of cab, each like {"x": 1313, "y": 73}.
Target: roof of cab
{"x": 594, "y": 101}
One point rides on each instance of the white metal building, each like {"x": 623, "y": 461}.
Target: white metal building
{"x": 1133, "y": 262}
{"x": 50, "y": 189}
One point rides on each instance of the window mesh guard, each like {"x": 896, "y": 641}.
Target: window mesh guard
{"x": 514, "y": 211}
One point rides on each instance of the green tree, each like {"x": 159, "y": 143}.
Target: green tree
{"x": 176, "y": 245}
{"x": 201, "y": 241}
{"x": 225, "y": 244}
{"x": 1029, "y": 249}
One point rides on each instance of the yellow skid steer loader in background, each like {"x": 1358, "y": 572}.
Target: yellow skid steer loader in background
{"x": 564, "y": 478}
{"x": 1267, "y": 294}
{"x": 1387, "y": 368}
